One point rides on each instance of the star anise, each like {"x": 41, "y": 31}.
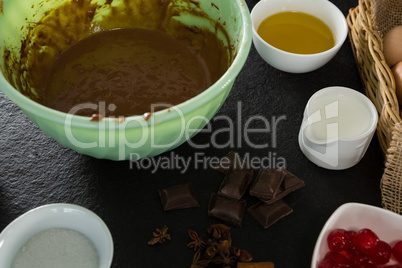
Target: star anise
{"x": 211, "y": 251}
{"x": 241, "y": 254}
{"x": 197, "y": 263}
{"x": 218, "y": 230}
{"x": 226, "y": 260}
{"x": 224, "y": 246}
{"x": 160, "y": 236}
{"x": 197, "y": 242}
{"x": 217, "y": 248}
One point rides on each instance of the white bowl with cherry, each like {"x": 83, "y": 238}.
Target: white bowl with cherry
{"x": 360, "y": 236}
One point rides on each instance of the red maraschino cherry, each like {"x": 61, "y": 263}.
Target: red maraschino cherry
{"x": 366, "y": 240}
{"x": 361, "y": 249}
{"x": 397, "y": 251}
{"x": 338, "y": 240}
{"x": 334, "y": 260}
{"x": 381, "y": 253}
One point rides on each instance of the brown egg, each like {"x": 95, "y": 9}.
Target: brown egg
{"x": 397, "y": 72}
{"x": 393, "y": 46}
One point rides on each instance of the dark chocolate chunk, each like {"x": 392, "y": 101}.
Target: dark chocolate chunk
{"x": 178, "y": 197}
{"x": 289, "y": 184}
{"x": 266, "y": 215}
{"x": 230, "y": 162}
{"x": 235, "y": 184}
{"x": 267, "y": 184}
{"x": 229, "y": 210}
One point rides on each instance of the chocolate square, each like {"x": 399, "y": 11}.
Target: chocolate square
{"x": 268, "y": 214}
{"x": 230, "y": 162}
{"x": 289, "y": 184}
{"x": 228, "y": 210}
{"x": 178, "y": 197}
{"x": 235, "y": 184}
{"x": 267, "y": 184}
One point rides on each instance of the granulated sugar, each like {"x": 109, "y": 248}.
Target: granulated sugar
{"x": 58, "y": 247}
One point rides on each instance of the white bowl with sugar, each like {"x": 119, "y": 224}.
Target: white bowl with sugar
{"x": 64, "y": 235}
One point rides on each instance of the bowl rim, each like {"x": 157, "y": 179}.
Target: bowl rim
{"x": 341, "y": 90}
{"x": 39, "y": 110}
{"x": 329, "y": 51}
{"x": 57, "y": 211}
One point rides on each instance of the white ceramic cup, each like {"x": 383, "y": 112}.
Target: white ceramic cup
{"x": 67, "y": 216}
{"x": 291, "y": 62}
{"x": 337, "y": 128}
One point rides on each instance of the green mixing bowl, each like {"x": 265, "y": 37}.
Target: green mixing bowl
{"x": 136, "y": 136}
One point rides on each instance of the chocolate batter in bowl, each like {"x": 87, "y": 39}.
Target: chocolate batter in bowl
{"x": 202, "y": 46}
{"x": 130, "y": 69}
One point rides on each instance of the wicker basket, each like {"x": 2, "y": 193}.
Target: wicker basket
{"x": 379, "y": 84}
{"x": 376, "y": 76}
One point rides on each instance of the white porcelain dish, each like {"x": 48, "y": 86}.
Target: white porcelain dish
{"x": 67, "y": 216}
{"x": 346, "y": 121}
{"x": 355, "y": 216}
{"x": 291, "y": 62}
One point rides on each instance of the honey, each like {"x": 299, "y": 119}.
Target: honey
{"x": 296, "y": 32}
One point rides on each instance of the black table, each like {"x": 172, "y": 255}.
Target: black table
{"x": 35, "y": 170}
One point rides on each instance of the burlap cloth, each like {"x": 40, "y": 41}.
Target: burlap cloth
{"x": 386, "y": 15}
{"x": 391, "y": 182}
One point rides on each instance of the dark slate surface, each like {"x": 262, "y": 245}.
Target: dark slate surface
{"x": 35, "y": 170}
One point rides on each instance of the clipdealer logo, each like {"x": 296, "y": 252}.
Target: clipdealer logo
{"x": 200, "y": 161}
{"x": 254, "y": 132}
{"x": 322, "y": 121}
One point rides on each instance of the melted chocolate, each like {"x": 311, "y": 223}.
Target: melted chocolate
{"x": 130, "y": 68}
{"x": 61, "y": 31}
